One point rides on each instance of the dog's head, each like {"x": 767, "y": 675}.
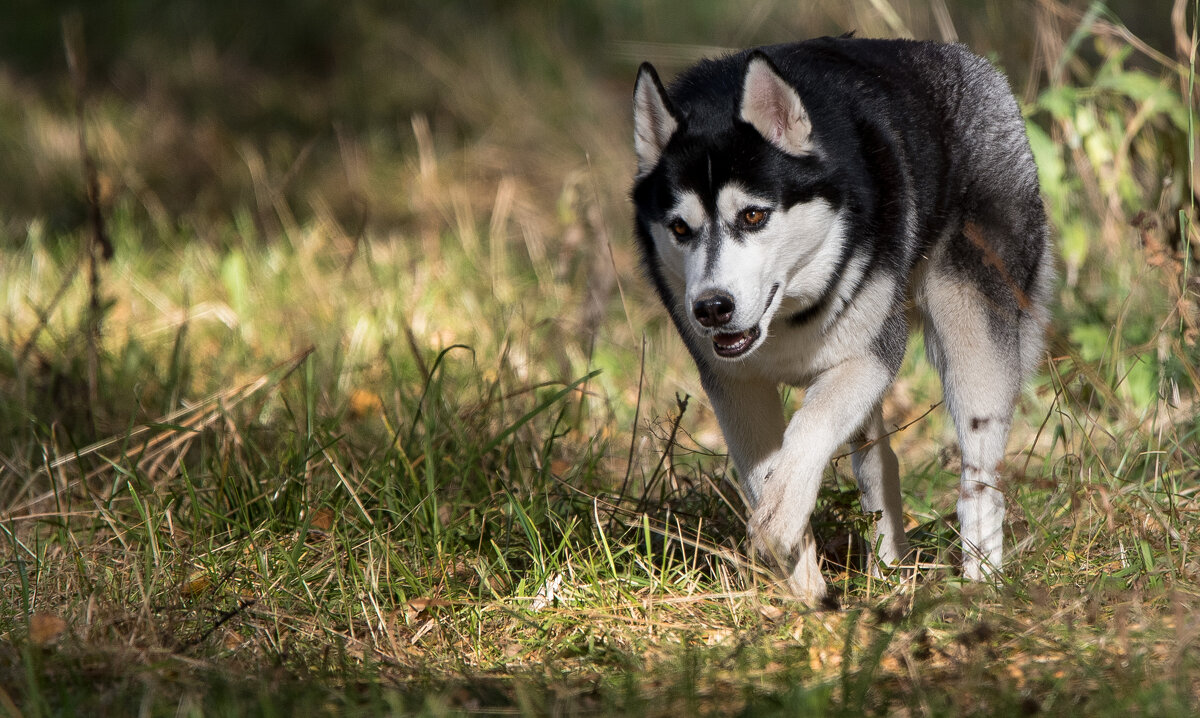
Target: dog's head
{"x": 735, "y": 202}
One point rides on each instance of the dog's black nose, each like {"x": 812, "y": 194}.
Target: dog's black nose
{"x": 713, "y": 310}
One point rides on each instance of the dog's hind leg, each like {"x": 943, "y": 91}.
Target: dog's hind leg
{"x": 877, "y": 472}
{"x": 974, "y": 343}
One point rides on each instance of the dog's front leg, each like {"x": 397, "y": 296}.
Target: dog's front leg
{"x": 835, "y": 406}
{"x": 750, "y": 413}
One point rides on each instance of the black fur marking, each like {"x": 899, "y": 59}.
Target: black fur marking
{"x": 978, "y": 422}
{"x": 771, "y": 297}
{"x": 712, "y": 247}
{"x": 974, "y": 488}
{"x": 806, "y": 315}
{"x": 890, "y": 343}
{"x": 828, "y": 291}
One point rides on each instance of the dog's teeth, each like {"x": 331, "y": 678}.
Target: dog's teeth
{"x": 730, "y": 340}
{"x": 731, "y": 344}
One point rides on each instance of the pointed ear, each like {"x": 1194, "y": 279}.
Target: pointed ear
{"x": 773, "y": 107}
{"x": 653, "y": 119}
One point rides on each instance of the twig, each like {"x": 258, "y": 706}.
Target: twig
{"x": 221, "y": 621}
{"x": 897, "y": 430}
{"x": 682, "y": 404}
{"x": 637, "y": 410}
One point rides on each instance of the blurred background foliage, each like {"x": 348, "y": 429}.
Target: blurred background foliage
{"x": 193, "y": 95}
{"x": 501, "y": 127}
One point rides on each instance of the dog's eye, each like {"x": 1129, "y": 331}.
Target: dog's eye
{"x": 754, "y": 217}
{"x": 680, "y": 229}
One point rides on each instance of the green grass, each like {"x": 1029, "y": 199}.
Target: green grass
{"x": 380, "y": 418}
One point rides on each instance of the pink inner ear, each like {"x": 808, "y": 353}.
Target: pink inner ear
{"x": 766, "y": 96}
{"x": 660, "y": 122}
{"x": 779, "y": 112}
{"x": 653, "y": 123}
{"x": 771, "y": 105}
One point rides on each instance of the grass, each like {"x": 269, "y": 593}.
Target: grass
{"x": 373, "y": 414}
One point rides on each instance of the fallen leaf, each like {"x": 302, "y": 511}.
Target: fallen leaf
{"x": 1017, "y": 674}
{"x": 233, "y": 641}
{"x": 415, "y": 607}
{"x": 364, "y": 403}
{"x": 198, "y": 583}
{"x": 322, "y": 520}
{"x": 45, "y": 628}
{"x": 823, "y": 658}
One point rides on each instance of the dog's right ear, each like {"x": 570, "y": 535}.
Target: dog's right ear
{"x": 653, "y": 119}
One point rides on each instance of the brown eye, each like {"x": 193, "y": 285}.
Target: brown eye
{"x": 754, "y": 217}
{"x": 680, "y": 228}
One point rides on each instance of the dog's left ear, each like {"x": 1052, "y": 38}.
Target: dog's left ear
{"x": 774, "y": 108}
{"x": 653, "y": 119}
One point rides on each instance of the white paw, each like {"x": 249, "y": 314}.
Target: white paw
{"x": 981, "y": 515}
{"x": 975, "y": 569}
{"x": 782, "y": 536}
{"x": 889, "y": 551}
{"x": 806, "y": 582}
{"x": 775, "y": 530}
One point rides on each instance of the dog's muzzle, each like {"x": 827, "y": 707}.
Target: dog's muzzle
{"x": 714, "y": 310}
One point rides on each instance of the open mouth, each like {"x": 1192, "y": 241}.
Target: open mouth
{"x": 734, "y": 344}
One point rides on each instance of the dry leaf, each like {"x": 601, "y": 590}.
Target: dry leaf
{"x": 823, "y": 658}
{"x": 415, "y": 607}
{"x": 196, "y": 584}
{"x": 1017, "y": 674}
{"x": 233, "y": 640}
{"x": 45, "y": 628}
{"x": 364, "y": 403}
{"x": 769, "y": 612}
{"x": 322, "y": 520}
{"x": 420, "y": 632}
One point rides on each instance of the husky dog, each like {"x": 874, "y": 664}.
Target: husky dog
{"x": 793, "y": 203}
